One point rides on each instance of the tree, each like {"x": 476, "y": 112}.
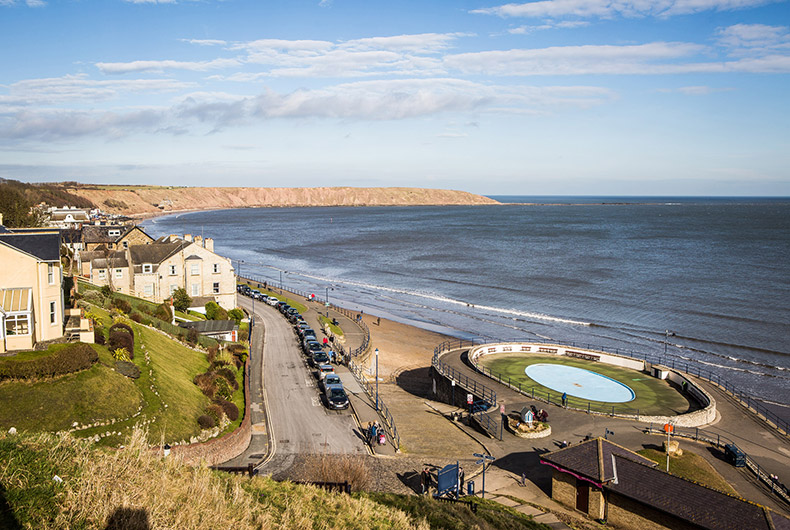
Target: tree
{"x": 215, "y": 312}
{"x": 181, "y": 300}
{"x": 236, "y": 314}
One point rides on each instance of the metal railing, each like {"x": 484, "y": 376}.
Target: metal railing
{"x": 749, "y": 402}
{"x": 384, "y": 411}
{"x": 474, "y": 387}
{"x": 486, "y": 422}
{"x": 720, "y": 441}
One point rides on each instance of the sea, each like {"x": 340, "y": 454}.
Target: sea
{"x": 701, "y": 281}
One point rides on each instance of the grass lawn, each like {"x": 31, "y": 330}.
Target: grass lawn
{"x": 653, "y": 396}
{"x": 328, "y": 322}
{"x": 96, "y": 394}
{"x": 690, "y": 466}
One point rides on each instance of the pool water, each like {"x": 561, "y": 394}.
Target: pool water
{"x": 580, "y": 383}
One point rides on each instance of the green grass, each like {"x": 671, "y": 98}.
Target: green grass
{"x": 282, "y": 297}
{"x": 452, "y": 516}
{"x": 96, "y": 394}
{"x": 653, "y": 396}
{"x": 328, "y": 322}
{"x": 192, "y": 316}
{"x": 690, "y": 466}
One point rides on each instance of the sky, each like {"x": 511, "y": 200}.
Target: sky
{"x": 550, "y": 97}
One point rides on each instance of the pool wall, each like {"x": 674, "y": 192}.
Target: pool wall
{"x": 692, "y": 419}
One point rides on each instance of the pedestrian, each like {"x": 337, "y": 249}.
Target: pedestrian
{"x": 378, "y": 321}
{"x": 326, "y": 341}
{"x": 564, "y": 399}
{"x": 265, "y": 285}
{"x": 373, "y": 434}
{"x": 460, "y": 480}
{"x": 358, "y": 317}
{"x": 425, "y": 480}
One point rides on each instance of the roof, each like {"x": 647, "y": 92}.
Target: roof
{"x": 114, "y": 260}
{"x": 592, "y": 459}
{"x": 201, "y": 301}
{"x": 13, "y": 300}
{"x": 155, "y": 252}
{"x": 44, "y": 246}
{"x": 210, "y": 326}
{"x": 690, "y": 501}
{"x": 101, "y": 233}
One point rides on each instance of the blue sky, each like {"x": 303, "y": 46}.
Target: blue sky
{"x": 597, "y": 97}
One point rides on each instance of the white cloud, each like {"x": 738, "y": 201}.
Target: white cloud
{"x": 28, "y": 3}
{"x": 750, "y": 38}
{"x": 610, "y": 8}
{"x": 700, "y": 90}
{"x": 205, "y": 42}
{"x": 158, "y": 66}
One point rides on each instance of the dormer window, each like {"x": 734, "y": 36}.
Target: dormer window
{"x": 114, "y": 233}
{"x": 148, "y": 268}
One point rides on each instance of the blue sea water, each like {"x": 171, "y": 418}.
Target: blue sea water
{"x": 616, "y": 272}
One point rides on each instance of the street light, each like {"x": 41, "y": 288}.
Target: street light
{"x": 377, "y": 379}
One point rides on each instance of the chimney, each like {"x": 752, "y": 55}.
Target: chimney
{"x": 199, "y": 241}
{"x": 1, "y": 219}
{"x": 209, "y": 244}
{"x": 187, "y": 237}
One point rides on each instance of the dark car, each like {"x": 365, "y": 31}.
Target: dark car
{"x": 279, "y": 305}
{"x": 309, "y": 346}
{"x": 329, "y": 380}
{"x": 336, "y": 398}
{"x": 319, "y": 358}
{"x": 284, "y": 308}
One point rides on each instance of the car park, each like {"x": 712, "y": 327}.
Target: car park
{"x": 336, "y": 398}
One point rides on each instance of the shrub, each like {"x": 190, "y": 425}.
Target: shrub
{"x": 192, "y": 336}
{"x": 71, "y": 358}
{"x": 121, "y": 354}
{"x": 206, "y": 422}
{"x": 106, "y": 291}
{"x": 128, "y": 369}
{"x": 236, "y": 314}
{"x": 228, "y": 374}
{"x": 224, "y": 388}
{"x": 216, "y": 412}
{"x": 121, "y": 305}
{"x": 215, "y": 312}
{"x": 98, "y": 335}
{"x": 244, "y": 334}
{"x": 94, "y": 297}
{"x": 212, "y": 353}
{"x": 236, "y": 348}
{"x": 137, "y": 317}
{"x": 205, "y": 382}
{"x": 121, "y": 339}
{"x": 163, "y": 312}
{"x": 230, "y": 409}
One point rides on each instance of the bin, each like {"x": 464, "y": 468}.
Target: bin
{"x": 470, "y": 487}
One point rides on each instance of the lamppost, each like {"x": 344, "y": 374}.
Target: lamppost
{"x": 281, "y": 280}
{"x": 377, "y": 379}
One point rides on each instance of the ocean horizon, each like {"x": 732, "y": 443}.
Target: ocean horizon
{"x": 617, "y": 272}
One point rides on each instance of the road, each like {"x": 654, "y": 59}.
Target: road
{"x": 298, "y": 422}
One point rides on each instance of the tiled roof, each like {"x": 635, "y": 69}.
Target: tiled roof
{"x": 592, "y": 459}
{"x": 155, "y": 252}
{"x": 44, "y": 246}
{"x": 689, "y": 501}
{"x": 101, "y": 233}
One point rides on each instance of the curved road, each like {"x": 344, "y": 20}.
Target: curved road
{"x": 298, "y": 422}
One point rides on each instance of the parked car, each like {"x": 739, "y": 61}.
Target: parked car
{"x": 318, "y": 358}
{"x": 283, "y": 308}
{"x": 336, "y": 398}
{"x": 271, "y": 300}
{"x": 309, "y": 346}
{"x": 324, "y": 369}
{"x": 329, "y": 380}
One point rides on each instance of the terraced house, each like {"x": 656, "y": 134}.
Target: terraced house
{"x": 31, "y": 289}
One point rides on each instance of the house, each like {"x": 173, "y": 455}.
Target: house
{"x": 159, "y": 268}
{"x": 112, "y": 237}
{"x": 218, "y": 329}
{"x": 609, "y": 482}
{"x": 31, "y": 289}
{"x": 68, "y": 217}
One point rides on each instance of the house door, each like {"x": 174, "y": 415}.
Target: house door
{"x": 582, "y": 496}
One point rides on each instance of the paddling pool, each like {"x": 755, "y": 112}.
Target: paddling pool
{"x": 580, "y": 383}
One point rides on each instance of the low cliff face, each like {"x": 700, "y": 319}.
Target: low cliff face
{"x": 153, "y": 200}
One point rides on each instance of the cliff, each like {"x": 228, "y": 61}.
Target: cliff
{"x": 156, "y": 200}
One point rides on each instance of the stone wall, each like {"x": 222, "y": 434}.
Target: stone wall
{"x": 622, "y": 512}
{"x": 563, "y": 488}
{"x": 443, "y": 390}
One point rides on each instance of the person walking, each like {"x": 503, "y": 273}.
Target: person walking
{"x": 425, "y": 480}
{"x": 460, "y": 481}
{"x": 373, "y": 435}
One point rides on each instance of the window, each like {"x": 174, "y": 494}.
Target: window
{"x": 216, "y": 287}
{"x": 216, "y": 268}
{"x": 125, "y": 244}
{"x": 50, "y": 273}
{"x": 114, "y": 233}
{"x": 53, "y": 312}
{"x": 148, "y": 290}
{"x": 195, "y": 289}
{"x": 102, "y": 274}
{"x": 147, "y": 268}
{"x": 118, "y": 274}
{"x": 172, "y": 270}
{"x": 173, "y": 288}
{"x": 194, "y": 268}
{"x": 17, "y": 325}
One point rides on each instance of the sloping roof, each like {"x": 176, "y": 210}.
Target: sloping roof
{"x": 592, "y": 459}
{"x": 115, "y": 260}
{"x": 71, "y": 235}
{"x": 201, "y": 301}
{"x": 44, "y": 246}
{"x": 210, "y": 326}
{"x": 101, "y": 233}
{"x": 12, "y": 300}
{"x": 155, "y": 252}
{"x": 689, "y": 501}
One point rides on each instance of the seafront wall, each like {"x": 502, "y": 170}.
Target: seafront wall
{"x": 698, "y": 418}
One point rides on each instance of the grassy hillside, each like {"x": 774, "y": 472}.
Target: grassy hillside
{"x": 135, "y": 488}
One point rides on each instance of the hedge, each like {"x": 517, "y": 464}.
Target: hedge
{"x": 66, "y": 360}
